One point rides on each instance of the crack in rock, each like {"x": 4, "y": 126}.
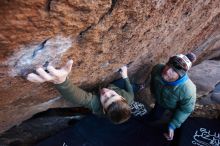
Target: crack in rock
{"x": 82, "y": 33}
{"x": 39, "y": 48}
{"x": 48, "y": 5}
{"x": 109, "y": 11}
{"x": 28, "y": 58}
{"x": 112, "y": 7}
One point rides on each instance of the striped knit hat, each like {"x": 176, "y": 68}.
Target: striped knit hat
{"x": 182, "y": 63}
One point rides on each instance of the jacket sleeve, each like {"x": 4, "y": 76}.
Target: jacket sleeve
{"x": 127, "y": 93}
{"x": 185, "y": 108}
{"x": 77, "y": 96}
{"x": 128, "y": 86}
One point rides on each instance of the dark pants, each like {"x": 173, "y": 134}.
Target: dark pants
{"x": 121, "y": 84}
{"x": 156, "y": 113}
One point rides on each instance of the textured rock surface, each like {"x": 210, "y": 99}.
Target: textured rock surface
{"x": 104, "y": 35}
{"x": 206, "y": 76}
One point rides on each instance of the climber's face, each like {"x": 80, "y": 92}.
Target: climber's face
{"x": 108, "y": 97}
{"x": 168, "y": 74}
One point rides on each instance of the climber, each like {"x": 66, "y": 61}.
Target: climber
{"x": 173, "y": 90}
{"x": 112, "y": 101}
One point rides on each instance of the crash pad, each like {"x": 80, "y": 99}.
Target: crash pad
{"x": 200, "y": 132}
{"x": 99, "y": 131}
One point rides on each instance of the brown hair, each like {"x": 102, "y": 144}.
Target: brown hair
{"x": 119, "y": 111}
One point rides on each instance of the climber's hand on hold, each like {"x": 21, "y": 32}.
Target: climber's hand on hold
{"x": 56, "y": 76}
{"x": 124, "y": 71}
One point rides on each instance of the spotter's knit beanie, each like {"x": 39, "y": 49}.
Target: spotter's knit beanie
{"x": 182, "y": 63}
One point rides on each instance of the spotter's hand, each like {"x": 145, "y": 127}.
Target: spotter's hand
{"x": 169, "y": 136}
{"x": 56, "y": 76}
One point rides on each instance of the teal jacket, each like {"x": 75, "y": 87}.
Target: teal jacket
{"x": 91, "y": 100}
{"x": 180, "y": 98}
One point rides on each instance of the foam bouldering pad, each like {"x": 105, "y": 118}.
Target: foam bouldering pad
{"x": 99, "y": 131}
{"x": 200, "y": 132}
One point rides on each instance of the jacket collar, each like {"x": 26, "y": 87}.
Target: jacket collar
{"x": 180, "y": 81}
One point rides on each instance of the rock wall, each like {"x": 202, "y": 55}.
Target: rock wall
{"x": 100, "y": 36}
{"x": 207, "y": 79}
